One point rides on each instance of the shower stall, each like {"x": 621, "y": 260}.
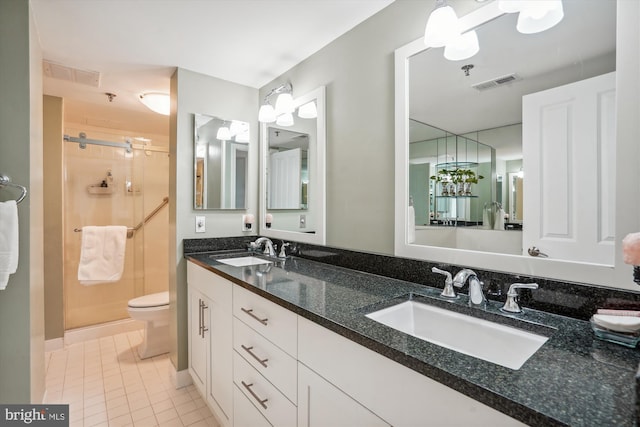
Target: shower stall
{"x": 112, "y": 179}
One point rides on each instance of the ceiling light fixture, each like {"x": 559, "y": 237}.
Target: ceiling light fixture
{"x": 442, "y": 26}
{"x": 157, "y": 102}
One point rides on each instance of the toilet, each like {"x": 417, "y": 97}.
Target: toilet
{"x": 153, "y": 309}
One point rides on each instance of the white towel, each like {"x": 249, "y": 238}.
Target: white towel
{"x": 499, "y": 225}
{"x": 102, "y": 254}
{"x": 411, "y": 225}
{"x": 8, "y": 241}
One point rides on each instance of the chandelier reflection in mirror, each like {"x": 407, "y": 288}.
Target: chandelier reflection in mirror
{"x": 284, "y": 108}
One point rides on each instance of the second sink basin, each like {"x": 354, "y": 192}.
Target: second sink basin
{"x": 494, "y": 342}
{"x": 243, "y": 261}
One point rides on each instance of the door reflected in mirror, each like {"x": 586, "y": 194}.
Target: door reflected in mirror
{"x": 288, "y": 170}
{"x": 221, "y": 160}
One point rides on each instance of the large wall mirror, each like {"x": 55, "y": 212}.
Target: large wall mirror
{"x": 480, "y": 99}
{"x": 221, "y": 163}
{"x": 292, "y": 170}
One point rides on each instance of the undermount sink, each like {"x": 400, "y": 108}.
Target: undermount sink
{"x": 494, "y": 342}
{"x": 244, "y": 261}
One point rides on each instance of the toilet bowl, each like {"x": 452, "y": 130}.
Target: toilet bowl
{"x": 153, "y": 309}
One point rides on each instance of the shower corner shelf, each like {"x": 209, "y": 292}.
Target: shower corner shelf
{"x": 96, "y": 189}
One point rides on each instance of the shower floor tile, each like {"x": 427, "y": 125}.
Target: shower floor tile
{"x": 105, "y": 383}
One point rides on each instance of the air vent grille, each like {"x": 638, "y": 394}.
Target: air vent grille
{"x": 498, "y": 81}
{"x": 62, "y": 72}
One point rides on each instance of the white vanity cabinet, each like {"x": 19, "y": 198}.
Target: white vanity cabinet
{"x": 395, "y": 393}
{"x": 264, "y": 361}
{"x": 211, "y": 339}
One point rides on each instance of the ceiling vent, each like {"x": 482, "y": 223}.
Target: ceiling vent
{"x": 499, "y": 81}
{"x": 74, "y": 75}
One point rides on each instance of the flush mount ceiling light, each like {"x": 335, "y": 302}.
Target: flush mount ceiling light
{"x": 534, "y": 16}
{"x": 157, "y": 102}
{"x": 442, "y": 26}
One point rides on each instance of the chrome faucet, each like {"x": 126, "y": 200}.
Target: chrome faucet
{"x": 476, "y": 296}
{"x": 511, "y": 304}
{"x": 268, "y": 246}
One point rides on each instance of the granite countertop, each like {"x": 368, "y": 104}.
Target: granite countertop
{"x": 574, "y": 379}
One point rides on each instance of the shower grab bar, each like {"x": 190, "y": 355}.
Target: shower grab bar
{"x": 131, "y": 230}
{"x": 6, "y": 181}
{"x": 83, "y": 141}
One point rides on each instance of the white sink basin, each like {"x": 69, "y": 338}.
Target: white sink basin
{"x": 497, "y": 343}
{"x": 244, "y": 261}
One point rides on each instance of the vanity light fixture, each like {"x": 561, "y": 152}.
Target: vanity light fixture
{"x": 157, "y": 102}
{"x": 462, "y": 47}
{"x": 534, "y": 16}
{"x": 282, "y": 113}
{"x": 308, "y": 111}
{"x": 285, "y": 119}
{"x": 442, "y": 26}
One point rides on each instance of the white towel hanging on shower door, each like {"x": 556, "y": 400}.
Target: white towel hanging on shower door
{"x": 8, "y": 241}
{"x": 102, "y": 254}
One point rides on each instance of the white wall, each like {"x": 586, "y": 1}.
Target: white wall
{"x": 197, "y": 93}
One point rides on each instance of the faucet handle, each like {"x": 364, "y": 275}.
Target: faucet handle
{"x": 448, "y": 291}
{"x": 511, "y": 304}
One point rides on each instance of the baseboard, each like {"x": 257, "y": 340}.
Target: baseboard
{"x": 73, "y": 336}
{"x": 53, "y": 344}
{"x": 180, "y": 378}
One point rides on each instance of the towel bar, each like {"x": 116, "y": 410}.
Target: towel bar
{"x": 6, "y": 181}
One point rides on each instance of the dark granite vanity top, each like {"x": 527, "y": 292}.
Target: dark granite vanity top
{"x": 574, "y": 379}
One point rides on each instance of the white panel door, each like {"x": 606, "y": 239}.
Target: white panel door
{"x": 285, "y": 179}
{"x": 569, "y": 143}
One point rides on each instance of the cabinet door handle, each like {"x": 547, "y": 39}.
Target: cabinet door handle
{"x": 204, "y": 327}
{"x": 200, "y": 333}
{"x": 263, "y": 362}
{"x": 255, "y": 396}
{"x": 250, "y": 313}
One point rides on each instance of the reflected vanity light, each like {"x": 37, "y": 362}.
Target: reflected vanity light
{"x": 285, "y": 119}
{"x": 308, "y": 111}
{"x": 224, "y": 134}
{"x": 534, "y": 16}
{"x": 157, "y": 102}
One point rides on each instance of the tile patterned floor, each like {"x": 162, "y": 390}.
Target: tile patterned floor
{"x": 105, "y": 383}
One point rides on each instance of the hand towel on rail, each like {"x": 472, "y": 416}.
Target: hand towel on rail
{"x": 102, "y": 254}
{"x": 8, "y": 241}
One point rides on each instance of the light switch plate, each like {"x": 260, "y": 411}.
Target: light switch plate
{"x": 201, "y": 223}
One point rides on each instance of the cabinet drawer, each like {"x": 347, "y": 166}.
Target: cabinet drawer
{"x": 275, "y": 407}
{"x": 244, "y": 413}
{"x": 277, "y": 324}
{"x": 272, "y": 362}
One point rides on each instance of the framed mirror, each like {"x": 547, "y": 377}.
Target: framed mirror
{"x": 292, "y": 171}
{"x": 221, "y": 161}
{"x": 485, "y": 103}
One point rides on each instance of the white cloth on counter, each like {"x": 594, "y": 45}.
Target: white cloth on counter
{"x": 625, "y": 324}
{"x": 8, "y": 241}
{"x": 102, "y": 254}
{"x": 499, "y": 224}
{"x": 411, "y": 225}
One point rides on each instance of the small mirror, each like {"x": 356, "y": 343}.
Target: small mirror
{"x": 221, "y": 162}
{"x": 292, "y": 184}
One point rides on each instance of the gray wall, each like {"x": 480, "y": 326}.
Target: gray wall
{"x": 22, "y": 302}
{"x": 357, "y": 70}
{"x": 197, "y": 93}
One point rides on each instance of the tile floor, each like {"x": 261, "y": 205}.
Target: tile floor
{"x": 105, "y": 383}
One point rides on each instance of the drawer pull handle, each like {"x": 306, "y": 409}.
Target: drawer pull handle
{"x": 250, "y": 313}
{"x": 255, "y": 396}
{"x": 204, "y": 327}
{"x": 263, "y": 362}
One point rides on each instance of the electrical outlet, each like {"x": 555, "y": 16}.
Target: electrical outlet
{"x": 303, "y": 221}
{"x": 201, "y": 223}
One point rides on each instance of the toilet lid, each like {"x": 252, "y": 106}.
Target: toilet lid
{"x": 151, "y": 300}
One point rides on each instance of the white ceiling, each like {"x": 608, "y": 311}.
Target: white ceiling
{"x": 136, "y": 44}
